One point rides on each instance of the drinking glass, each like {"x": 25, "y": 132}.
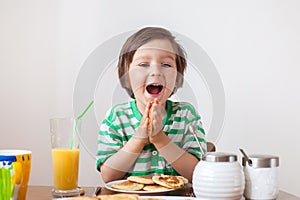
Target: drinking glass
{"x": 65, "y": 156}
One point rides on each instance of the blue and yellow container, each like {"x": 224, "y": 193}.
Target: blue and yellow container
{"x": 14, "y": 174}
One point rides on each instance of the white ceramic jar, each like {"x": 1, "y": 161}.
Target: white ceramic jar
{"x": 261, "y": 177}
{"x": 218, "y": 176}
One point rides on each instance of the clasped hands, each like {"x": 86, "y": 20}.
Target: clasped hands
{"x": 151, "y": 122}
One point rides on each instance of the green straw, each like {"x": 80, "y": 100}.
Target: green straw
{"x": 76, "y": 122}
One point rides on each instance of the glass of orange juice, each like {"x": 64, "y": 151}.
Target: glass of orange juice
{"x": 65, "y": 156}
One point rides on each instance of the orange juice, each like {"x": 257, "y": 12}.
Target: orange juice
{"x": 65, "y": 168}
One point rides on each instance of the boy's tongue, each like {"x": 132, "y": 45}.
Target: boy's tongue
{"x": 154, "y": 89}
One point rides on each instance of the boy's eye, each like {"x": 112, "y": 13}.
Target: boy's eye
{"x": 165, "y": 65}
{"x": 143, "y": 65}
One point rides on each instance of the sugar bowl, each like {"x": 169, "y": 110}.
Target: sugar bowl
{"x": 261, "y": 176}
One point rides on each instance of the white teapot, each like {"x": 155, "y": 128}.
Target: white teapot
{"x": 218, "y": 176}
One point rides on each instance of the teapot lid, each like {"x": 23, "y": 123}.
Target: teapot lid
{"x": 219, "y": 157}
{"x": 262, "y": 161}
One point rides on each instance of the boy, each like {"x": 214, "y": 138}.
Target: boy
{"x": 150, "y": 134}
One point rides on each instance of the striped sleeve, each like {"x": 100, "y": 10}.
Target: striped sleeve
{"x": 109, "y": 141}
{"x": 194, "y": 125}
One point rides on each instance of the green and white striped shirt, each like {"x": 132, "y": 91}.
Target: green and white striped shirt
{"x": 122, "y": 121}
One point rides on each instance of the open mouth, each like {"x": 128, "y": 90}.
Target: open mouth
{"x": 154, "y": 88}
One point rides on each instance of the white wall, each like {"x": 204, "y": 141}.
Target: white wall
{"x": 254, "y": 45}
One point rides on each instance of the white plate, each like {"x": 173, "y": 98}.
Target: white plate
{"x": 168, "y": 197}
{"x": 158, "y": 197}
{"x": 108, "y": 186}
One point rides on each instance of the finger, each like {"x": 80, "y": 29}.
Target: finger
{"x": 155, "y": 107}
{"x": 149, "y": 105}
{"x": 147, "y": 110}
{"x": 147, "y": 121}
{"x": 150, "y": 127}
{"x": 157, "y": 110}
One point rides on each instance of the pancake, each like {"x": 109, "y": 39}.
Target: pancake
{"x": 168, "y": 181}
{"x": 109, "y": 197}
{"x": 85, "y": 198}
{"x": 185, "y": 180}
{"x": 119, "y": 197}
{"x": 141, "y": 179}
{"x": 155, "y": 187}
{"x": 128, "y": 185}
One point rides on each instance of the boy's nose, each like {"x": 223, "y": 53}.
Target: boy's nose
{"x": 155, "y": 70}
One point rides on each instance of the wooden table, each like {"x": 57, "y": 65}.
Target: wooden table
{"x": 44, "y": 193}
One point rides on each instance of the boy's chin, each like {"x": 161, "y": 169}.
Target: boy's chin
{"x": 150, "y": 97}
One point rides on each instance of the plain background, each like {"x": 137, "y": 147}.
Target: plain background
{"x": 254, "y": 45}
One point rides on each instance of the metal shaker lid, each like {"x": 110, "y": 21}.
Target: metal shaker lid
{"x": 262, "y": 161}
{"x": 219, "y": 157}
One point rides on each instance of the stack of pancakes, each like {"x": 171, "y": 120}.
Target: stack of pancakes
{"x": 155, "y": 183}
{"x": 109, "y": 197}
{"x": 141, "y": 183}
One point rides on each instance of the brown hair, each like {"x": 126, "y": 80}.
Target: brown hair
{"x": 140, "y": 38}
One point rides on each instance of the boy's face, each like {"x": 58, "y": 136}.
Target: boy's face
{"x": 153, "y": 71}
